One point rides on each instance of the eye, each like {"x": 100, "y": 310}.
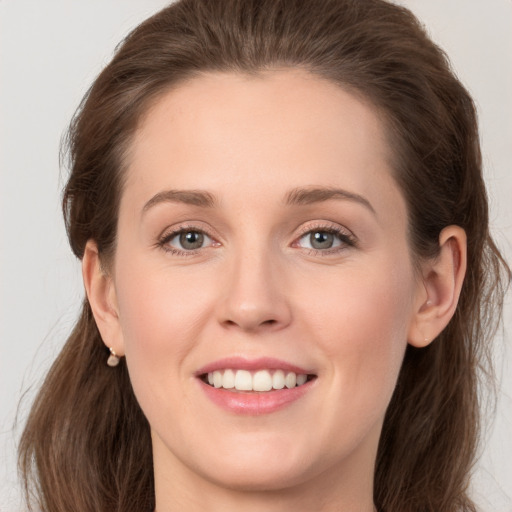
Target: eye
{"x": 322, "y": 239}
{"x": 185, "y": 240}
{"x": 190, "y": 240}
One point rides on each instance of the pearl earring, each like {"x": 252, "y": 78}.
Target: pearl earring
{"x": 113, "y": 359}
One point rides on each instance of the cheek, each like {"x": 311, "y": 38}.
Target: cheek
{"x": 156, "y": 304}
{"x": 162, "y": 315}
{"x": 361, "y": 324}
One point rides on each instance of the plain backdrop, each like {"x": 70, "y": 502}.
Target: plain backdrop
{"x": 50, "y": 51}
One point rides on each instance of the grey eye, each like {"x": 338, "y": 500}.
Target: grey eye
{"x": 189, "y": 240}
{"x": 321, "y": 240}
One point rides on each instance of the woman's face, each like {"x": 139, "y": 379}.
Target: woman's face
{"x": 262, "y": 237}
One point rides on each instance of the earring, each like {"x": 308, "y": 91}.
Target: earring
{"x": 113, "y": 359}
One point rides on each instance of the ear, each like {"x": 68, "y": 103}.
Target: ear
{"x": 102, "y": 298}
{"x": 440, "y": 289}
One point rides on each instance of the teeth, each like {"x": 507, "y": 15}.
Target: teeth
{"x": 262, "y": 380}
{"x": 217, "y": 379}
{"x": 290, "y": 381}
{"x": 301, "y": 379}
{"x": 228, "y": 380}
{"x": 243, "y": 380}
{"x": 278, "y": 379}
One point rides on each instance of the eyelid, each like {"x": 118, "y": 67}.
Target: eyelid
{"x": 346, "y": 237}
{"x": 171, "y": 232}
{"x": 326, "y": 225}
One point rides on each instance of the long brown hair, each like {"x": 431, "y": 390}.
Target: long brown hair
{"x": 86, "y": 445}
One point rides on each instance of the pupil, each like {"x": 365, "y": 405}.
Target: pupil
{"x": 191, "y": 240}
{"x": 322, "y": 240}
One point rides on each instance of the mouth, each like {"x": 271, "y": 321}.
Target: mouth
{"x": 260, "y": 381}
{"x": 255, "y": 387}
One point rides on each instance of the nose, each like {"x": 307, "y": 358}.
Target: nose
{"x": 255, "y": 297}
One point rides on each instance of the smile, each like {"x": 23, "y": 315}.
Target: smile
{"x": 261, "y": 380}
{"x": 254, "y": 387}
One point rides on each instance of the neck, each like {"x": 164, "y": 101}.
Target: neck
{"x": 255, "y": 501}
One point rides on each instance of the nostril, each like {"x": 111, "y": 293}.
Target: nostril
{"x": 248, "y": 325}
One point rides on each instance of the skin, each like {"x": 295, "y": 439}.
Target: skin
{"x": 256, "y": 288}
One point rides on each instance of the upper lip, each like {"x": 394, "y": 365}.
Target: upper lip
{"x": 261, "y": 363}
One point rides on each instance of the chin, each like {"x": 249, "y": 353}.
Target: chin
{"x": 260, "y": 466}
{"x": 249, "y": 477}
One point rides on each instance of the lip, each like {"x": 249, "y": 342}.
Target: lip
{"x": 253, "y": 403}
{"x": 261, "y": 363}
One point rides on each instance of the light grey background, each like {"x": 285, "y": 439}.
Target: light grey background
{"x": 50, "y": 51}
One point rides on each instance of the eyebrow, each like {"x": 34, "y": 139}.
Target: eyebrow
{"x": 192, "y": 197}
{"x": 297, "y": 196}
{"x": 311, "y": 195}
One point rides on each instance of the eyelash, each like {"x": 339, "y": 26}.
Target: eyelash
{"x": 346, "y": 238}
{"x": 167, "y": 236}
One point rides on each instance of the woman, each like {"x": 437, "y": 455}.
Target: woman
{"x": 290, "y": 281}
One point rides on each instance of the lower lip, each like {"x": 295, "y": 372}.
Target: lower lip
{"x": 254, "y": 403}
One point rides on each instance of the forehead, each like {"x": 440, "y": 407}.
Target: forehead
{"x": 271, "y": 131}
